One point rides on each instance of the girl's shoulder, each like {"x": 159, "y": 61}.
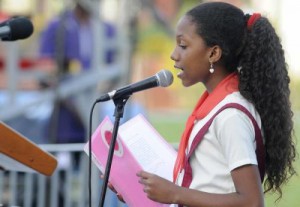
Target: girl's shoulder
{"x": 231, "y": 112}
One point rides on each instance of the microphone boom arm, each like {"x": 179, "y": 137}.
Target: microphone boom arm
{"x": 128, "y": 90}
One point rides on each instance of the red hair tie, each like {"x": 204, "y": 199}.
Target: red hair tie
{"x": 254, "y": 17}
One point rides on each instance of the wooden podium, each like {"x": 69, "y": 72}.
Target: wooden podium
{"x": 20, "y": 154}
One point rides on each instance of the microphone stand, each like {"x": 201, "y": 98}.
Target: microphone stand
{"x": 118, "y": 114}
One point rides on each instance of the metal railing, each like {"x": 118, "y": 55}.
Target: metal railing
{"x": 67, "y": 187}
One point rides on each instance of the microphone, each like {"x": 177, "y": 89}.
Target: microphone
{"x": 15, "y": 29}
{"x": 163, "y": 78}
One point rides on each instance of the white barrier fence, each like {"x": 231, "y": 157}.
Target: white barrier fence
{"x": 67, "y": 187}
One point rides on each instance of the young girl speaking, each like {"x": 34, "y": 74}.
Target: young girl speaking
{"x": 240, "y": 132}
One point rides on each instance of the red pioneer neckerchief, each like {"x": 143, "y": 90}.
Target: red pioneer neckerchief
{"x": 205, "y": 104}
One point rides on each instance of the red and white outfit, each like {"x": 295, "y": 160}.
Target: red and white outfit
{"x": 229, "y": 143}
{"x": 229, "y": 127}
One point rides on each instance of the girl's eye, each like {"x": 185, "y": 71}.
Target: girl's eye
{"x": 182, "y": 46}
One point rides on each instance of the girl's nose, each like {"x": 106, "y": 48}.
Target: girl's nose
{"x": 173, "y": 55}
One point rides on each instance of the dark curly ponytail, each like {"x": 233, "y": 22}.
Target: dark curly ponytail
{"x": 264, "y": 79}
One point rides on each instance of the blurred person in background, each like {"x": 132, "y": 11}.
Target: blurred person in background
{"x": 72, "y": 35}
{"x": 67, "y": 47}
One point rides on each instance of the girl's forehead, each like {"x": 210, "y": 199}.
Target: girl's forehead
{"x": 185, "y": 27}
{"x": 184, "y": 21}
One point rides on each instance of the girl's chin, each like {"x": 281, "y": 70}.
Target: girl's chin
{"x": 180, "y": 74}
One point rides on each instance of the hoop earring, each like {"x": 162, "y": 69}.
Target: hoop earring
{"x": 211, "y": 69}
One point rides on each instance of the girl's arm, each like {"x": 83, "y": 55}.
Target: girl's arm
{"x": 246, "y": 179}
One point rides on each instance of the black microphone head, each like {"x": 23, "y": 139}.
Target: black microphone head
{"x": 20, "y": 28}
{"x": 164, "y": 77}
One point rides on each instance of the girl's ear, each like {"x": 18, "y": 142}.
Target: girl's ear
{"x": 215, "y": 53}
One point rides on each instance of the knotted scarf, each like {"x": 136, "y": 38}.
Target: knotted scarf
{"x": 204, "y": 105}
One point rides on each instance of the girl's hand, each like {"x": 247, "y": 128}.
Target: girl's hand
{"x": 111, "y": 187}
{"x": 157, "y": 188}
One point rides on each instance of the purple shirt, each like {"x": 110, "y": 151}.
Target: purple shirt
{"x": 67, "y": 27}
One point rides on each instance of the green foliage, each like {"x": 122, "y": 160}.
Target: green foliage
{"x": 291, "y": 190}
{"x": 295, "y": 88}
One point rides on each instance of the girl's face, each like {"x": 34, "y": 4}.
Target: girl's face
{"x": 191, "y": 54}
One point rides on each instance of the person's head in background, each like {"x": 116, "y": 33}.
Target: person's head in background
{"x": 84, "y": 9}
{"x": 215, "y": 39}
